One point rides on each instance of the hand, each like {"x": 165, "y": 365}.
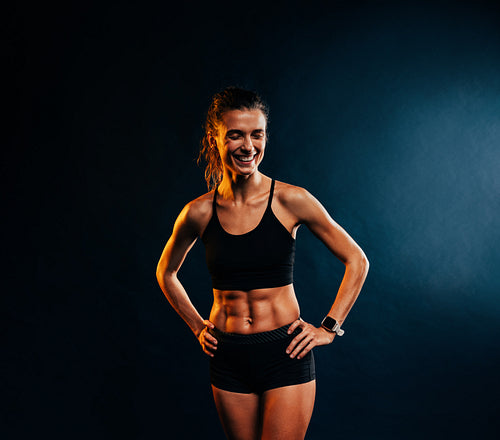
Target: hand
{"x": 308, "y": 338}
{"x": 207, "y": 341}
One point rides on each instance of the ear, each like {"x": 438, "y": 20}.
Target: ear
{"x": 211, "y": 140}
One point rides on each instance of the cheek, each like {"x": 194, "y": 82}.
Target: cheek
{"x": 231, "y": 147}
{"x": 226, "y": 154}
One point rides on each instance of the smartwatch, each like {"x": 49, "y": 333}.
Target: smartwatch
{"x": 332, "y": 326}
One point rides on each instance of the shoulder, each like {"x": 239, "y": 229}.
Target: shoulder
{"x": 299, "y": 202}
{"x": 292, "y": 195}
{"x": 201, "y": 206}
{"x": 197, "y": 213}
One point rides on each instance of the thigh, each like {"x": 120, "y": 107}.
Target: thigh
{"x": 286, "y": 411}
{"x": 239, "y": 414}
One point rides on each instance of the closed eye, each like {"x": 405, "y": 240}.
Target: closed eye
{"x": 234, "y": 134}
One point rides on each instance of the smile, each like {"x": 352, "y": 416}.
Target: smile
{"x": 242, "y": 158}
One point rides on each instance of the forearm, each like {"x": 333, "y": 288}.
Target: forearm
{"x": 354, "y": 277}
{"x": 179, "y": 300}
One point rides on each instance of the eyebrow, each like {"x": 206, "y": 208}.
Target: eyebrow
{"x": 234, "y": 131}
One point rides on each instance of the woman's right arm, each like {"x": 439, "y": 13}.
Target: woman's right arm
{"x": 186, "y": 230}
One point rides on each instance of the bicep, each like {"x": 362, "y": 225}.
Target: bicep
{"x": 312, "y": 214}
{"x": 183, "y": 237}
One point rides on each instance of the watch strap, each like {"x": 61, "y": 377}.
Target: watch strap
{"x": 330, "y": 324}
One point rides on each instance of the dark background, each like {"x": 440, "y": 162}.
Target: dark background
{"x": 388, "y": 112}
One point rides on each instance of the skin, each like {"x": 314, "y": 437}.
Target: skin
{"x": 241, "y": 201}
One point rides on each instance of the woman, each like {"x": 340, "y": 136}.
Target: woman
{"x": 261, "y": 359}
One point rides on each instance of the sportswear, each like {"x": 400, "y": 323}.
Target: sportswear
{"x": 260, "y": 258}
{"x": 258, "y": 362}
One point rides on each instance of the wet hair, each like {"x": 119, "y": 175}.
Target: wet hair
{"x": 231, "y": 98}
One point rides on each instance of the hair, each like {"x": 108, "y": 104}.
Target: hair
{"x": 231, "y": 98}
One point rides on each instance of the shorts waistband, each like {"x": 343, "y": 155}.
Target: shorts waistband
{"x": 254, "y": 338}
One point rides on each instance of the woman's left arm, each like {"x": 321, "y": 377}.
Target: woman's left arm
{"x": 310, "y": 212}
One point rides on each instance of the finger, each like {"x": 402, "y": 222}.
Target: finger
{"x": 295, "y": 341}
{"x": 306, "y": 350}
{"x": 302, "y": 349}
{"x": 208, "y": 352}
{"x": 294, "y": 325}
{"x": 210, "y": 349}
{"x": 206, "y": 338}
{"x": 298, "y": 349}
{"x": 210, "y": 338}
{"x": 208, "y": 323}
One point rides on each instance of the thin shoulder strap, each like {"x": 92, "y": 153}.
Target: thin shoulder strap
{"x": 214, "y": 201}
{"x": 271, "y": 194}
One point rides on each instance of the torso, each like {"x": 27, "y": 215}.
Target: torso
{"x": 254, "y": 311}
{"x": 257, "y": 310}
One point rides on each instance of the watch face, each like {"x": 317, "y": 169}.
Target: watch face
{"x": 329, "y": 322}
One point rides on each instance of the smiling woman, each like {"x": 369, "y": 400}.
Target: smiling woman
{"x": 238, "y": 100}
{"x": 241, "y": 140}
{"x": 261, "y": 360}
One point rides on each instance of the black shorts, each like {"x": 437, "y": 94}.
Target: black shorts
{"x": 258, "y": 362}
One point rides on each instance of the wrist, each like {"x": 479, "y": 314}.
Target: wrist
{"x": 198, "y": 329}
{"x": 332, "y": 325}
{"x": 328, "y": 334}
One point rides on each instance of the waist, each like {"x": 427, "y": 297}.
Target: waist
{"x": 254, "y": 338}
{"x": 254, "y": 311}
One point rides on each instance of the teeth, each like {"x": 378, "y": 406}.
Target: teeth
{"x": 245, "y": 158}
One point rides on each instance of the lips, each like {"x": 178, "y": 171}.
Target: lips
{"x": 244, "y": 158}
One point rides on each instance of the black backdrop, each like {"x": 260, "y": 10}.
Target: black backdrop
{"x": 388, "y": 112}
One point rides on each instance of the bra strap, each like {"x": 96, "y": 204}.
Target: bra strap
{"x": 214, "y": 200}
{"x": 271, "y": 192}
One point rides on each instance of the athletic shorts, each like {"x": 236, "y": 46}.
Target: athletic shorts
{"x": 258, "y": 362}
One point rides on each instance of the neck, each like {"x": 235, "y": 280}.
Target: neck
{"x": 240, "y": 188}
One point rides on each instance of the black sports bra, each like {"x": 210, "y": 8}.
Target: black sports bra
{"x": 261, "y": 258}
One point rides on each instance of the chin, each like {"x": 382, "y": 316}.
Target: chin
{"x": 247, "y": 172}
{"x": 244, "y": 170}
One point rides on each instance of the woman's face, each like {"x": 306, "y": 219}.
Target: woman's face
{"x": 241, "y": 140}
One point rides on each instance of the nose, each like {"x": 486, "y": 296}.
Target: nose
{"x": 247, "y": 144}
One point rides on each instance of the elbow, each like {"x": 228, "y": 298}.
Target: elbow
{"x": 159, "y": 277}
{"x": 160, "y": 273}
{"x": 366, "y": 264}
{"x": 360, "y": 263}
{"x": 363, "y": 259}
{"x": 363, "y": 264}
{"x": 163, "y": 274}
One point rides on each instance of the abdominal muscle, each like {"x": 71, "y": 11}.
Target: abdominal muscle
{"x": 254, "y": 311}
